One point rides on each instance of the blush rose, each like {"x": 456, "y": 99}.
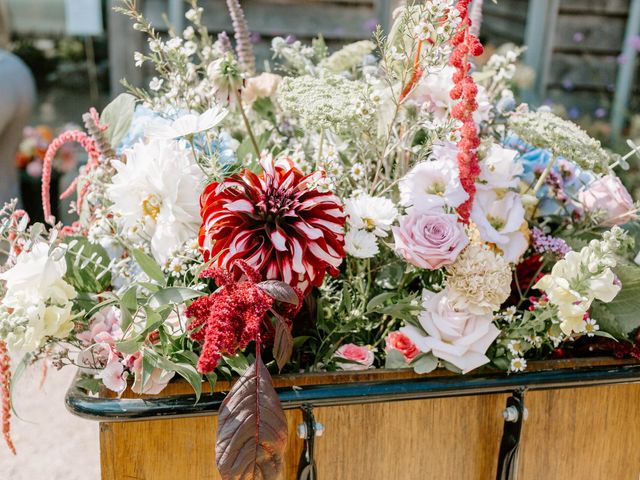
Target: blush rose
{"x": 609, "y": 195}
{"x": 403, "y": 344}
{"x": 429, "y": 239}
{"x": 359, "y": 357}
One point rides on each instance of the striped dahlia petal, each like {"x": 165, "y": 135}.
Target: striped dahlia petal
{"x": 278, "y": 222}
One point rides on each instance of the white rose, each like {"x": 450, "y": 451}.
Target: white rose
{"x": 454, "y": 335}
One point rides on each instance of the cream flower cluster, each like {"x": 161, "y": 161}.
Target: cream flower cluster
{"x": 479, "y": 280}
{"x": 37, "y": 301}
{"x": 582, "y": 277}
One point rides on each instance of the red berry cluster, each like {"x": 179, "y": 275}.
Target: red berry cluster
{"x": 465, "y": 90}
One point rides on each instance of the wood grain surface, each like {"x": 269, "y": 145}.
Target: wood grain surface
{"x": 583, "y": 434}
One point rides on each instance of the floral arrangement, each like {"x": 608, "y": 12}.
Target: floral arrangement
{"x": 388, "y": 205}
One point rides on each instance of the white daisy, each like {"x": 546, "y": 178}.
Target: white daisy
{"x": 360, "y": 244}
{"x": 357, "y": 171}
{"x": 372, "y": 214}
{"x": 515, "y": 347}
{"x": 591, "y": 327}
{"x": 518, "y": 364}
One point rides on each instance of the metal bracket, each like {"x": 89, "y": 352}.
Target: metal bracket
{"x": 308, "y": 430}
{"x": 514, "y": 414}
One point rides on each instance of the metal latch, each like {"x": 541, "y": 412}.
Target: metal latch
{"x": 308, "y": 430}
{"x": 514, "y": 414}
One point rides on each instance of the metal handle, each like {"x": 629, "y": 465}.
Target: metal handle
{"x": 308, "y": 430}
{"x": 514, "y": 414}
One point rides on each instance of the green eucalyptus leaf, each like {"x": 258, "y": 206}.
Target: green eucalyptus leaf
{"x": 394, "y": 360}
{"x": 117, "y": 116}
{"x": 87, "y": 265}
{"x": 425, "y": 364}
{"x": 379, "y": 300}
{"x": 173, "y": 295}
{"x": 149, "y": 266}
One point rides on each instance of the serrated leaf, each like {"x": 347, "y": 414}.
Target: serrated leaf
{"x": 252, "y": 429}
{"x": 282, "y": 342}
{"x": 148, "y": 266}
{"x": 280, "y": 291}
{"x": 394, "y": 360}
{"x": 425, "y": 364}
{"x": 117, "y": 116}
{"x": 173, "y": 295}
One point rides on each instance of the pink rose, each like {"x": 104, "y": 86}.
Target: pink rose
{"x": 609, "y": 195}
{"x": 400, "y": 342}
{"x": 429, "y": 239}
{"x": 360, "y": 358}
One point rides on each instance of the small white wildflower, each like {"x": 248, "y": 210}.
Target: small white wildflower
{"x": 155, "y": 45}
{"x": 360, "y": 244}
{"x": 177, "y": 268}
{"x": 174, "y": 43}
{"x": 156, "y": 84}
{"x": 188, "y": 33}
{"x": 138, "y": 58}
{"x": 591, "y": 327}
{"x": 357, "y": 171}
{"x": 518, "y": 364}
{"x": 515, "y": 347}
{"x": 190, "y": 48}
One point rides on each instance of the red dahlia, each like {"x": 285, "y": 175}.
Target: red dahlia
{"x": 278, "y": 222}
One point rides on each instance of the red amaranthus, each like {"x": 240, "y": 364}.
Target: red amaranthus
{"x": 234, "y": 315}
{"x": 5, "y": 383}
{"x": 279, "y": 222}
{"x": 465, "y": 90}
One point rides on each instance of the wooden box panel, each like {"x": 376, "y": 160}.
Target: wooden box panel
{"x": 582, "y": 434}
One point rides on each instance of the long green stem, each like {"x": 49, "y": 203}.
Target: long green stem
{"x": 544, "y": 175}
{"x": 247, "y": 125}
{"x": 319, "y": 159}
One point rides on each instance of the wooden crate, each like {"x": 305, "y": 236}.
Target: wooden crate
{"x": 588, "y": 433}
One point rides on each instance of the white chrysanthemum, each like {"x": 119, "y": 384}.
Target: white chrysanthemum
{"x": 372, "y": 214}
{"x": 156, "y": 193}
{"x": 434, "y": 183}
{"x": 360, "y": 244}
{"x": 37, "y": 302}
{"x": 479, "y": 280}
{"x": 499, "y": 169}
{"x": 500, "y": 220}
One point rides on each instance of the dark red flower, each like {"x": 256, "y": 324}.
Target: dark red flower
{"x": 279, "y": 222}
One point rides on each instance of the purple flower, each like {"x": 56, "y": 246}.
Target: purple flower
{"x": 547, "y": 244}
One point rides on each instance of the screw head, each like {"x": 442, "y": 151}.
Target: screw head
{"x": 510, "y": 414}
{"x": 301, "y": 430}
{"x": 319, "y": 429}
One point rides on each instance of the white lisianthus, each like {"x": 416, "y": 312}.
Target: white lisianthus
{"x": 189, "y": 124}
{"x": 434, "y": 183}
{"x": 360, "y": 244}
{"x": 38, "y": 299}
{"x": 372, "y": 214}
{"x": 155, "y": 194}
{"x": 500, "y": 220}
{"x": 499, "y": 169}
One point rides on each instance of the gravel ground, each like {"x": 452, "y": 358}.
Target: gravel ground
{"x": 52, "y": 444}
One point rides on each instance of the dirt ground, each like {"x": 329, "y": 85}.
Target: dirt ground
{"x": 52, "y": 444}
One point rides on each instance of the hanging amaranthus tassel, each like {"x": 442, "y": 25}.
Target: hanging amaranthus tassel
{"x": 475, "y": 15}
{"x": 224, "y": 42}
{"x": 246, "y": 58}
{"x": 96, "y": 129}
{"x": 5, "y": 384}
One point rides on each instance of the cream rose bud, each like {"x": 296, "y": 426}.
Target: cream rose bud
{"x": 429, "y": 239}
{"x": 451, "y": 334}
{"x": 359, "y": 357}
{"x": 609, "y": 195}
{"x": 262, "y": 86}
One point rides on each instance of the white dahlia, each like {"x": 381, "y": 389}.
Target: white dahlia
{"x": 156, "y": 193}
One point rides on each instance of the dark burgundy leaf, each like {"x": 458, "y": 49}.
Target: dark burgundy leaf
{"x": 252, "y": 429}
{"x": 279, "y": 291}
{"x": 283, "y": 341}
